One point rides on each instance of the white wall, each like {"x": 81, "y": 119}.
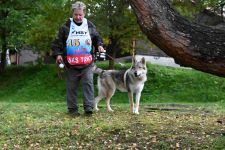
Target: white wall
{"x": 165, "y": 61}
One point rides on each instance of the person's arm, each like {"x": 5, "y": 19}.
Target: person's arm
{"x": 99, "y": 42}
{"x": 96, "y": 38}
{"x": 58, "y": 46}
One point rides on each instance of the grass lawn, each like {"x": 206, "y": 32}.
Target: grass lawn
{"x": 161, "y": 126}
{"x": 180, "y": 109}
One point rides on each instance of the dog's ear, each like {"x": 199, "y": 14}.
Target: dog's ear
{"x": 143, "y": 60}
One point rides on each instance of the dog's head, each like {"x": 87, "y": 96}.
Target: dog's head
{"x": 139, "y": 68}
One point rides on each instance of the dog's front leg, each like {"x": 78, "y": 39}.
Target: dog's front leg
{"x": 136, "y": 108}
{"x": 130, "y": 96}
{"x": 96, "y": 101}
{"x": 108, "y": 104}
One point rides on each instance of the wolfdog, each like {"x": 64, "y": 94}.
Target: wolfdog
{"x": 131, "y": 80}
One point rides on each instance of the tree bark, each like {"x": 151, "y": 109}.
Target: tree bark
{"x": 3, "y": 60}
{"x": 3, "y": 54}
{"x": 3, "y": 34}
{"x": 190, "y": 44}
{"x": 112, "y": 50}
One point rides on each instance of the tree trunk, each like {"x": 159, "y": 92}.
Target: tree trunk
{"x": 190, "y": 44}
{"x": 3, "y": 54}
{"x": 112, "y": 50}
{"x": 3, "y": 33}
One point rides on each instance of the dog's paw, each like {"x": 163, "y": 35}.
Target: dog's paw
{"x": 136, "y": 111}
{"x": 132, "y": 110}
{"x": 110, "y": 110}
{"x": 96, "y": 109}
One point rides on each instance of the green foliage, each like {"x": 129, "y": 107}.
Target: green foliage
{"x": 113, "y": 19}
{"x": 43, "y": 26}
{"x": 36, "y": 23}
{"x": 189, "y": 8}
{"x": 116, "y": 22}
{"x": 213, "y": 3}
{"x": 14, "y": 21}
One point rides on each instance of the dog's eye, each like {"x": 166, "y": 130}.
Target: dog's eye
{"x": 142, "y": 68}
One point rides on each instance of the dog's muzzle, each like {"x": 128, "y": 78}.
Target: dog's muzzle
{"x": 136, "y": 74}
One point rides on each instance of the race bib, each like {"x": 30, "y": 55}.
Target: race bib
{"x": 79, "y": 59}
{"x": 78, "y": 44}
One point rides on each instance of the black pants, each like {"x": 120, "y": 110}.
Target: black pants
{"x": 73, "y": 78}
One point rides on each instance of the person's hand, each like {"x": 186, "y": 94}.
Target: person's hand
{"x": 59, "y": 59}
{"x": 101, "y": 49}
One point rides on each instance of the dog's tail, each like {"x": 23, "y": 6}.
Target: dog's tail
{"x": 98, "y": 71}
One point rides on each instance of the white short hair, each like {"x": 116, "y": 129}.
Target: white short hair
{"x": 79, "y": 6}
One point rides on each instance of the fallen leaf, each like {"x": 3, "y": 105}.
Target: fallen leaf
{"x": 177, "y": 145}
{"x": 154, "y": 140}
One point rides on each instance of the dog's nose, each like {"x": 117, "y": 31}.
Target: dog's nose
{"x": 135, "y": 73}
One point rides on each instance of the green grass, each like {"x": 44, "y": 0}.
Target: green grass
{"x": 33, "y": 83}
{"x": 180, "y": 109}
{"x": 47, "y": 126}
{"x": 164, "y": 85}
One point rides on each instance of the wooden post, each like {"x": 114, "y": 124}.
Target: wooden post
{"x": 133, "y": 47}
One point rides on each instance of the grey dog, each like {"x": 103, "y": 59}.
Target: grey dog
{"x": 131, "y": 80}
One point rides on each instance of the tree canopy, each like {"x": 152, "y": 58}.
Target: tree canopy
{"x": 189, "y": 8}
{"x": 114, "y": 20}
{"x": 14, "y": 21}
{"x": 35, "y": 23}
{"x": 44, "y": 25}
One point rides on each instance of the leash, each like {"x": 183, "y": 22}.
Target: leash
{"x": 114, "y": 60}
{"x": 125, "y": 74}
{"x": 124, "y": 78}
{"x": 110, "y": 56}
{"x": 101, "y": 56}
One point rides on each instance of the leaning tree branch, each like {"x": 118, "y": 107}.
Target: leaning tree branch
{"x": 190, "y": 44}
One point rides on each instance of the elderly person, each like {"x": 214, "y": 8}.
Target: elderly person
{"x": 73, "y": 46}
